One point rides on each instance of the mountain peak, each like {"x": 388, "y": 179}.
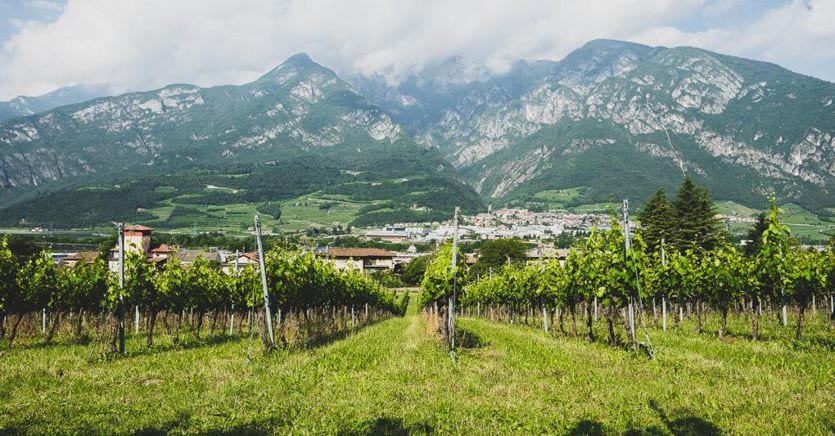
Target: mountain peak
{"x": 300, "y": 59}
{"x": 298, "y": 63}
{"x": 597, "y": 44}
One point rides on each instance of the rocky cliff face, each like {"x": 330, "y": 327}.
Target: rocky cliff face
{"x": 721, "y": 119}
{"x": 298, "y": 107}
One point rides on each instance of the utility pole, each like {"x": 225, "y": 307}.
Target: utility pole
{"x": 451, "y": 309}
{"x": 121, "y": 309}
{"x": 264, "y": 281}
{"x": 628, "y": 245}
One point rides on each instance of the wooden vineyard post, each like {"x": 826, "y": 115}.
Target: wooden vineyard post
{"x": 627, "y": 246}
{"x": 232, "y": 315}
{"x": 663, "y": 294}
{"x": 264, "y": 281}
{"x": 120, "y": 311}
{"x": 451, "y": 309}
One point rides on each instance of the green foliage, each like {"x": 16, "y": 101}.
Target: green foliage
{"x": 496, "y": 253}
{"x": 8, "y": 275}
{"x": 438, "y": 278}
{"x": 414, "y": 270}
{"x": 695, "y": 217}
{"x": 658, "y": 221}
{"x": 601, "y": 268}
{"x": 270, "y": 208}
{"x": 773, "y": 259}
{"x": 755, "y": 235}
{"x": 37, "y": 284}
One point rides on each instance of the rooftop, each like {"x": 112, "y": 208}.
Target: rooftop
{"x": 356, "y": 252}
{"x": 138, "y": 228}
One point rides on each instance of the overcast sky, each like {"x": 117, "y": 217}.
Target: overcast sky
{"x": 145, "y": 44}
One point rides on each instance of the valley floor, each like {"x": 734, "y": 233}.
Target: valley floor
{"x": 395, "y": 377}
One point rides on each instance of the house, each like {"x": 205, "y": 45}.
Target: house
{"x": 164, "y": 251}
{"x": 362, "y": 259}
{"x": 82, "y": 256}
{"x": 187, "y": 256}
{"x": 390, "y": 234}
{"x": 138, "y": 238}
{"x": 240, "y": 261}
{"x": 539, "y": 254}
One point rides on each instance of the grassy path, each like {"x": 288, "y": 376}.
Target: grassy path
{"x": 394, "y": 377}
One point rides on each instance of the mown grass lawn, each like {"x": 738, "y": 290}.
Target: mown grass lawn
{"x": 395, "y": 377}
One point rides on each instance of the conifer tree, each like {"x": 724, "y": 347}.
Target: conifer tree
{"x": 695, "y": 213}
{"x": 755, "y": 235}
{"x": 658, "y": 221}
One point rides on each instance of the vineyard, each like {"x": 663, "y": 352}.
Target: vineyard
{"x": 311, "y": 300}
{"x": 613, "y": 276}
{"x": 620, "y": 338}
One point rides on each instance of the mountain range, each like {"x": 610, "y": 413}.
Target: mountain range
{"x": 611, "y": 120}
{"x": 618, "y": 118}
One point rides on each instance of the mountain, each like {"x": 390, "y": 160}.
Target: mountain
{"x": 296, "y": 130}
{"x": 617, "y": 119}
{"x": 22, "y": 105}
{"x": 611, "y": 120}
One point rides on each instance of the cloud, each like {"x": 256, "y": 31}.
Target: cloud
{"x": 144, "y": 44}
{"x": 799, "y": 35}
{"x": 47, "y": 6}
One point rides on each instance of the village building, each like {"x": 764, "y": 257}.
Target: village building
{"x": 138, "y": 238}
{"x": 73, "y": 259}
{"x": 540, "y": 254}
{"x": 187, "y": 257}
{"x": 240, "y": 261}
{"x": 361, "y": 259}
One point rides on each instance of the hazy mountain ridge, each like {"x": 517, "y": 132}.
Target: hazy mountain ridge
{"x": 22, "y": 106}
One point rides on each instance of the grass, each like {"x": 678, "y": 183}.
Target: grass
{"x": 560, "y": 197}
{"x": 395, "y": 377}
{"x": 736, "y": 209}
{"x": 303, "y": 213}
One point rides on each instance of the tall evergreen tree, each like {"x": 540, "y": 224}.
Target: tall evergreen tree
{"x": 658, "y": 221}
{"x": 755, "y": 235}
{"x": 696, "y": 216}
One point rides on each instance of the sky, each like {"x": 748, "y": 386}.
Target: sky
{"x": 146, "y": 44}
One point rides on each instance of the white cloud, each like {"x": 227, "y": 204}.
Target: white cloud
{"x": 799, "y": 35}
{"x": 142, "y": 44}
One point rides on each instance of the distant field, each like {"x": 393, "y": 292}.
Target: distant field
{"x": 395, "y": 377}
{"x": 322, "y": 210}
{"x": 318, "y": 210}
{"x": 735, "y": 209}
{"x": 559, "y": 197}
